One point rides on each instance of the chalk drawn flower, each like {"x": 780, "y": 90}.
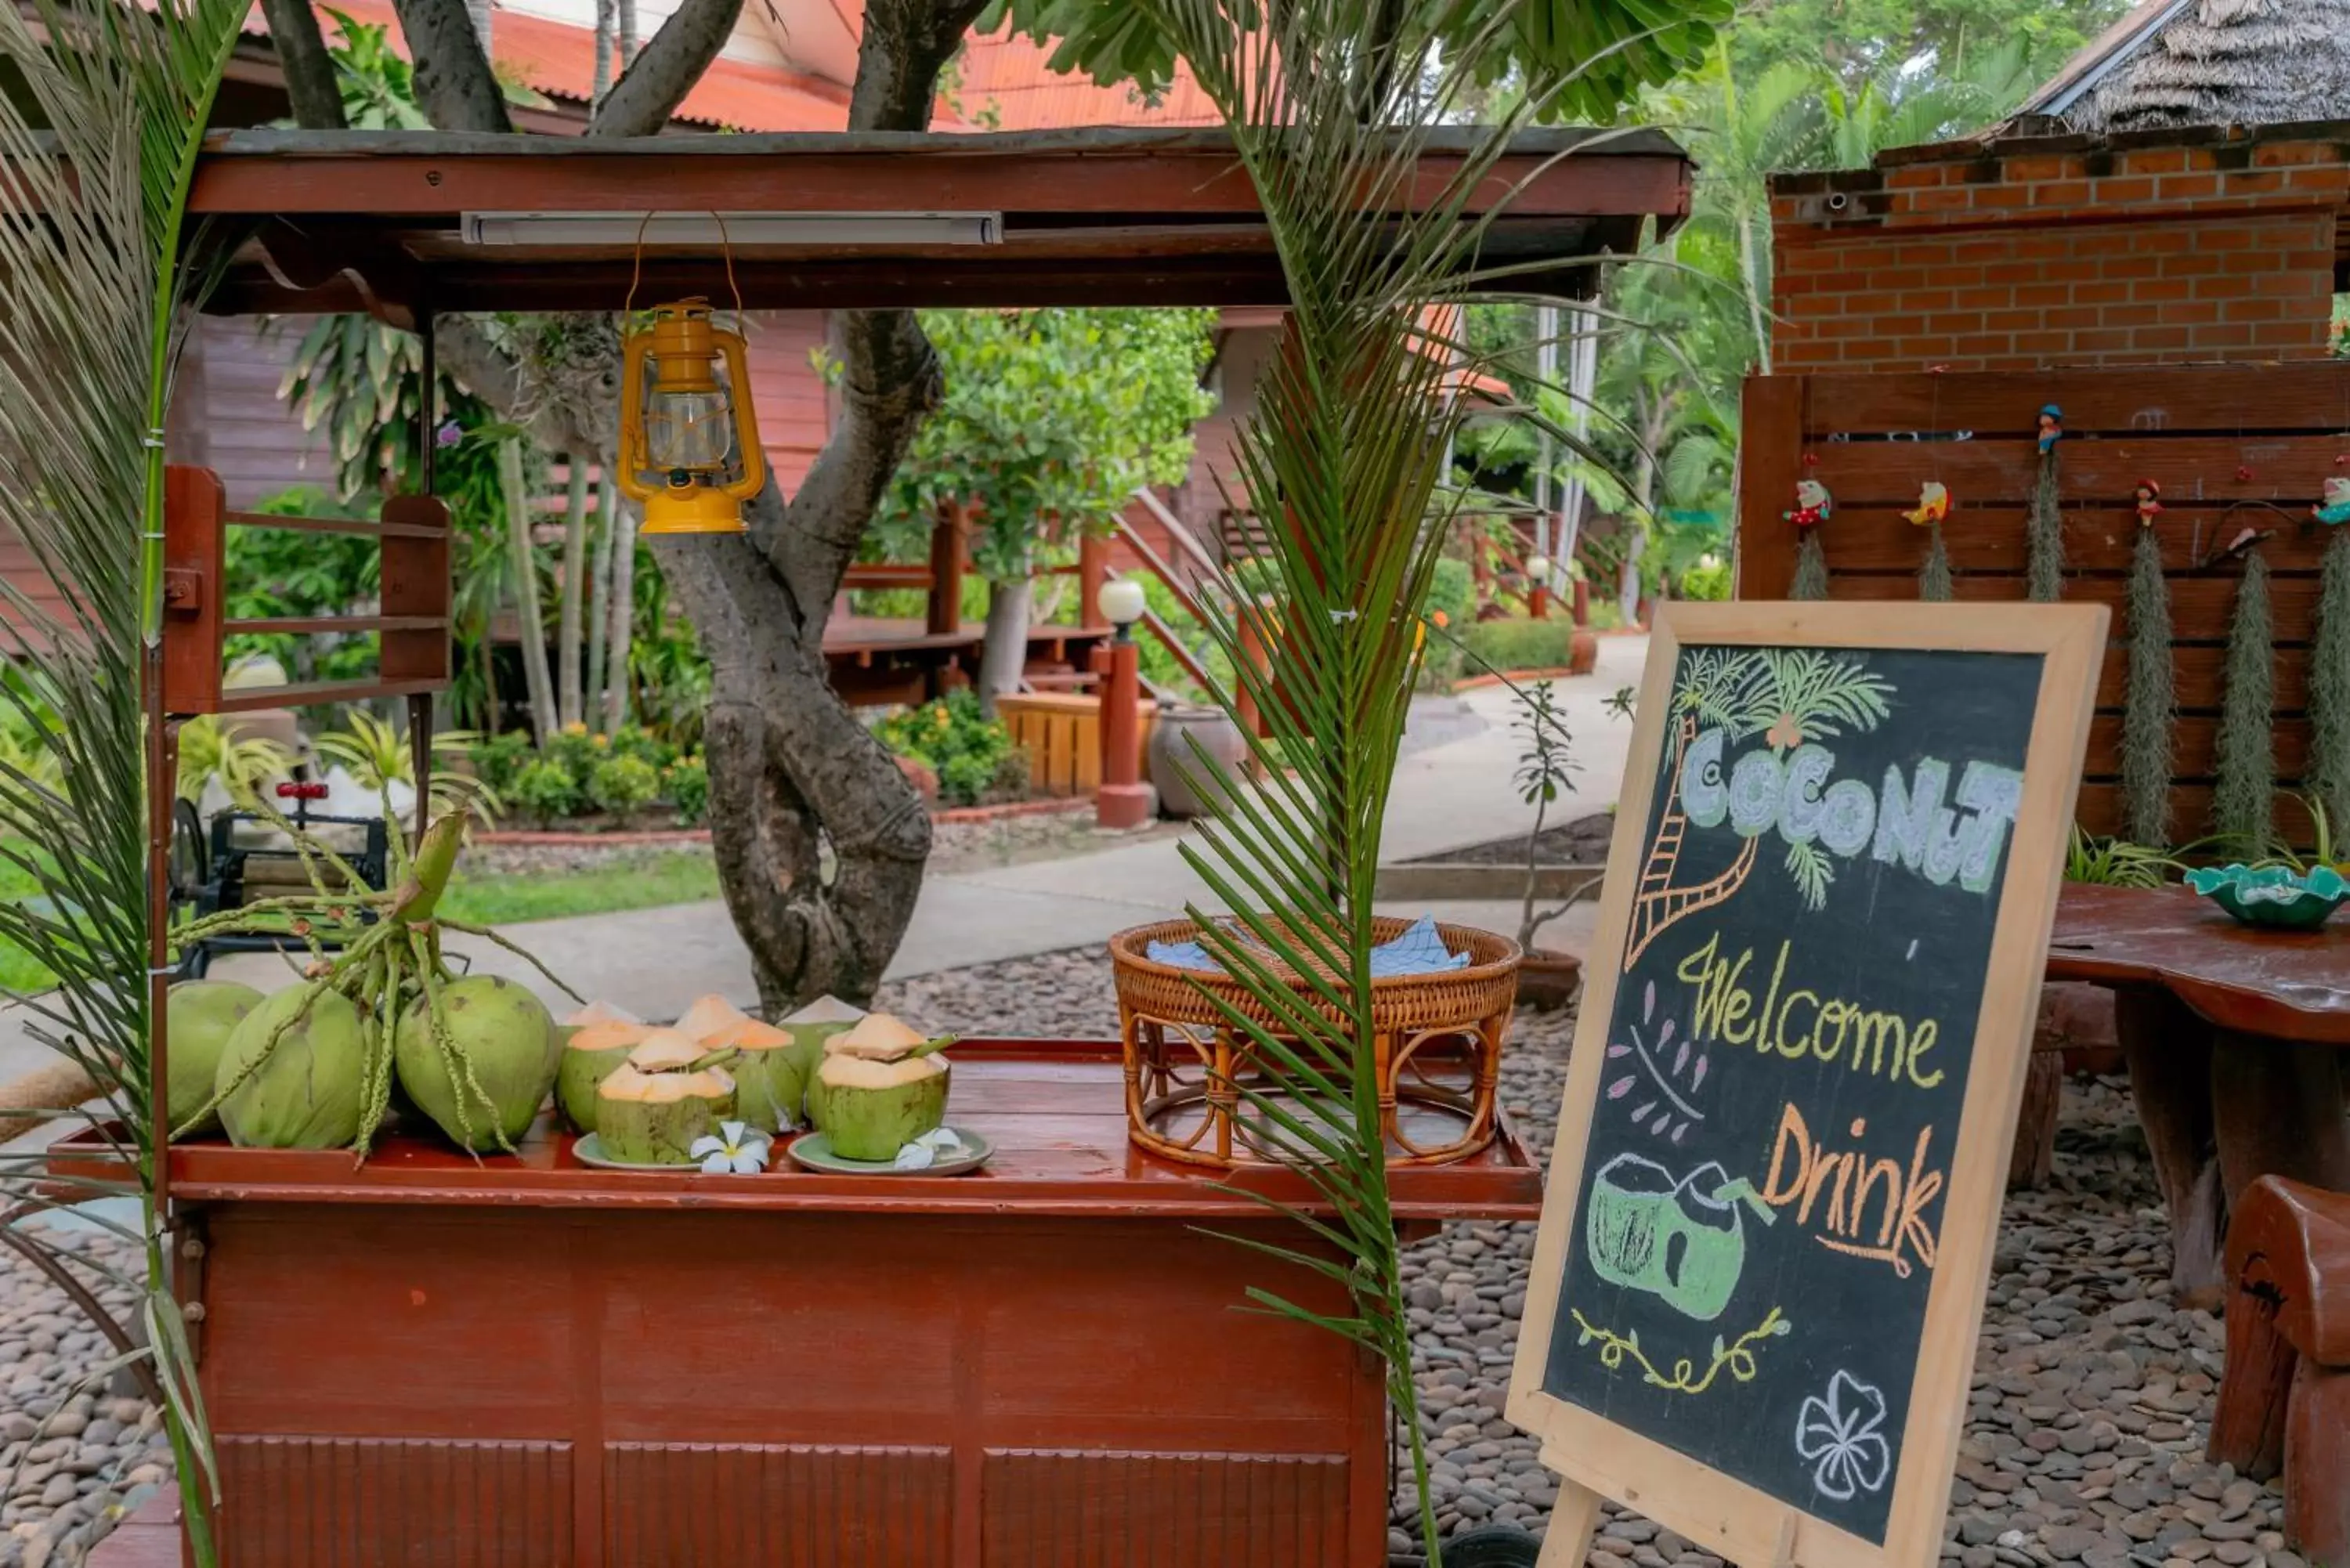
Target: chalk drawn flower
{"x": 1666, "y": 1084}
{"x": 1838, "y": 1435}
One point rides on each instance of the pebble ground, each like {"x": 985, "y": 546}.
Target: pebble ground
{"x": 2086, "y": 1421}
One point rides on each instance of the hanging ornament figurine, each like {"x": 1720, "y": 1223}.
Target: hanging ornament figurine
{"x": 2052, "y": 428}
{"x": 2045, "y": 526}
{"x": 2150, "y": 693}
{"x": 1813, "y": 506}
{"x": 1934, "y": 584}
{"x": 2335, "y": 510}
{"x": 2326, "y": 772}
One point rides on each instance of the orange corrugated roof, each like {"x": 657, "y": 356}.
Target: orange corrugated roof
{"x": 1004, "y": 83}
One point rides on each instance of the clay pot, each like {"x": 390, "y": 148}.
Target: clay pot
{"x": 1547, "y": 979}
{"x": 1172, "y": 757}
{"x": 1582, "y": 652}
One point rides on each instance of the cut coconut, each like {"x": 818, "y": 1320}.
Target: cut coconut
{"x": 770, "y": 1085}
{"x": 591, "y": 1054}
{"x": 666, "y": 1051}
{"x": 601, "y": 1013}
{"x": 872, "y": 1109}
{"x": 878, "y": 1037}
{"x": 708, "y": 1016}
{"x": 826, "y": 1010}
{"x": 653, "y": 1118}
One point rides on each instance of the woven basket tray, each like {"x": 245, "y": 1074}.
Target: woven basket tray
{"x": 1439, "y": 1042}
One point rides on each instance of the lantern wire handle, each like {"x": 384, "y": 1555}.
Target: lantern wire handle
{"x": 636, "y": 271}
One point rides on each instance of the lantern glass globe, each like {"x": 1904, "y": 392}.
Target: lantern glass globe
{"x": 1538, "y": 569}
{"x": 1122, "y": 601}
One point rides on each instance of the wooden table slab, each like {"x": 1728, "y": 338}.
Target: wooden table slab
{"x": 2234, "y": 1038}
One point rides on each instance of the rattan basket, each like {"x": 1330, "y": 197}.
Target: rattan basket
{"x": 1438, "y": 1046}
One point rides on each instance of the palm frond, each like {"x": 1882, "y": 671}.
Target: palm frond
{"x": 98, "y": 141}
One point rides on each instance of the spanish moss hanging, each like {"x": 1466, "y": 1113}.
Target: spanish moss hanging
{"x": 2045, "y": 528}
{"x": 2327, "y": 776}
{"x": 1813, "y": 506}
{"x": 2150, "y": 700}
{"x": 1934, "y": 585}
{"x": 2242, "y": 801}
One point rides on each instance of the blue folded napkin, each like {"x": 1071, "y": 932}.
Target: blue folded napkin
{"x": 1418, "y": 949}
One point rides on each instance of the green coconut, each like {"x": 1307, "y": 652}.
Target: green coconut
{"x": 590, "y": 1053}
{"x": 873, "y": 1109}
{"x": 670, "y": 1091}
{"x": 814, "y": 1024}
{"x": 877, "y": 1036}
{"x": 505, "y": 1051}
{"x": 770, "y": 1088}
{"x": 306, "y": 1091}
{"x": 201, "y": 1015}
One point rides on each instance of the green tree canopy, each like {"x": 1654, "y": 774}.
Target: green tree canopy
{"x": 1051, "y": 421}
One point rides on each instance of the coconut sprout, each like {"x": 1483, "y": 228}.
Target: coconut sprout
{"x": 312, "y": 1066}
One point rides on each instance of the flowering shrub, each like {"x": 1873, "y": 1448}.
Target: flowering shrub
{"x": 579, "y": 771}
{"x": 972, "y": 756}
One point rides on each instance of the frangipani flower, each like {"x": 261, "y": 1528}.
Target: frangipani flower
{"x": 925, "y": 1152}
{"x": 1839, "y": 1435}
{"x": 735, "y": 1149}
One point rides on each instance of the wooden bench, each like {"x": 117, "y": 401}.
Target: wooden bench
{"x": 2284, "y": 1401}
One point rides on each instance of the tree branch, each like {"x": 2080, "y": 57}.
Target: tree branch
{"x": 454, "y": 80}
{"x": 657, "y": 79}
{"x": 309, "y": 69}
{"x": 905, "y": 44}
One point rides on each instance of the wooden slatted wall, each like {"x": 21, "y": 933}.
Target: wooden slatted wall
{"x": 2231, "y": 446}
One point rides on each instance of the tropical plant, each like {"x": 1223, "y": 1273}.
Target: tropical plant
{"x": 1346, "y": 446}
{"x": 378, "y": 754}
{"x": 214, "y": 748}
{"x": 2323, "y": 851}
{"x": 2114, "y": 862}
{"x": 98, "y": 132}
{"x": 1543, "y": 775}
{"x": 972, "y": 754}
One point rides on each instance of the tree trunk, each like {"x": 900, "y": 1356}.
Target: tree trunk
{"x": 621, "y": 636}
{"x": 532, "y": 627}
{"x": 454, "y": 80}
{"x": 574, "y": 589}
{"x": 1003, "y": 653}
{"x": 599, "y": 616}
{"x": 311, "y": 86}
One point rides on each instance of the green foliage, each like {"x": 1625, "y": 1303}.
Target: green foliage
{"x": 1708, "y": 580}
{"x": 2149, "y": 699}
{"x": 545, "y": 789}
{"x": 497, "y": 762}
{"x": 377, "y": 83}
{"x": 668, "y": 676}
{"x": 1578, "y": 61}
{"x": 2244, "y": 796}
{"x": 634, "y": 882}
{"x": 1051, "y": 419}
{"x": 377, "y": 752}
{"x": 2327, "y": 775}
{"x": 1871, "y": 41}
{"x": 1157, "y": 660}
{"x": 623, "y": 782}
{"x": 213, "y": 748}
{"x": 1452, "y": 593}
{"x": 687, "y": 783}
{"x": 2114, "y": 862}
{"x": 1545, "y": 770}
{"x": 972, "y": 754}
{"x": 1518, "y": 642}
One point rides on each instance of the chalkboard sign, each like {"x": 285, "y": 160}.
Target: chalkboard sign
{"x": 1795, "y": 1073}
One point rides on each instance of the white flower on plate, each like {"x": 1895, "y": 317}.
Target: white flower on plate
{"x": 925, "y": 1152}
{"x": 735, "y": 1149}
{"x": 1839, "y": 1435}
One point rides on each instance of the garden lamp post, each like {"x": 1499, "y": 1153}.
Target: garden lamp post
{"x": 1123, "y": 800}
{"x": 690, "y": 450}
{"x": 1538, "y": 570}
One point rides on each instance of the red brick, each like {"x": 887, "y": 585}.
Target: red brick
{"x": 2187, "y": 187}
{"x": 2038, "y": 166}
{"x": 2045, "y": 294}
{"x": 2013, "y": 320}
{"x": 1928, "y": 299}
{"x": 2061, "y": 193}
{"x": 2252, "y": 309}
{"x": 2196, "y": 263}
{"x": 2274, "y": 154}
{"x": 2157, "y": 290}
{"x": 2189, "y": 313}
{"x": 2154, "y": 160}
{"x": 2070, "y": 317}
{"x": 1910, "y": 176}
{"x": 1939, "y": 199}
{"x": 2112, "y": 191}
{"x": 1997, "y": 198}
{"x": 2254, "y": 181}
{"x": 2101, "y": 340}
{"x": 2145, "y": 337}
{"x": 2282, "y": 332}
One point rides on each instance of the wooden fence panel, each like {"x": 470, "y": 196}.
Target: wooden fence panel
{"x": 2233, "y": 447}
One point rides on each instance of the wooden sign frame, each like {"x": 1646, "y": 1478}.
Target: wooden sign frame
{"x": 1595, "y": 1459}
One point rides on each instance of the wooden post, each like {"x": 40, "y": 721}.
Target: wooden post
{"x": 946, "y": 572}
{"x": 1582, "y": 602}
{"x": 1123, "y": 801}
{"x": 1093, "y": 570}
{"x": 1770, "y": 461}
{"x": 1252, "y": 652}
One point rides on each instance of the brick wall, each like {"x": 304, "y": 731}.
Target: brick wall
{"x": 2037, "y": 252}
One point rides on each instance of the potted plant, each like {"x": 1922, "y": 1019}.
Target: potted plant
{"x": 1546, "y": 978}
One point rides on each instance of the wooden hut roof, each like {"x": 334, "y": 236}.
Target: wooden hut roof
{"x": 2208, "y": 62}
{"x": 358, "y": 220}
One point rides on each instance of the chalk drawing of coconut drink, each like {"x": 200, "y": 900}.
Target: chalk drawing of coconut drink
{"x": 1683, "y": 1242}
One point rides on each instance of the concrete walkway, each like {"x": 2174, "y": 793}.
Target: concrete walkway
{"x": 1453, "y": 787}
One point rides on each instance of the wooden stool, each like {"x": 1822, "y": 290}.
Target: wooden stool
{"x": 2284, "y": 1401}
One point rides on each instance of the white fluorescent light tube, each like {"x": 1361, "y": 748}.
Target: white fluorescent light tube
{"x": 733, "y": 228}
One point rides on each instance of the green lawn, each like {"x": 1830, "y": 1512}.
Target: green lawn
{"x": 671, "y": 877}
{"x": 19, "y": 970}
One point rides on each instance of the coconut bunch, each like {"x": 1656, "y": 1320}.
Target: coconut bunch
{"x": 312, "y": 1065}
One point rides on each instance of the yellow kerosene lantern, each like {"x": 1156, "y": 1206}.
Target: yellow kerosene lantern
{"x": 689, "y": 442}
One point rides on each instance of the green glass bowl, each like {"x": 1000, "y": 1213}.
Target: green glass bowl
{"x": 2273, "y": 896}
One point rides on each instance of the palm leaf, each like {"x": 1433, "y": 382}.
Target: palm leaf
{"x": 98, "y": 142}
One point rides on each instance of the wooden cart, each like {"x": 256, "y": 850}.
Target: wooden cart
{"x": 528, "y": 1363}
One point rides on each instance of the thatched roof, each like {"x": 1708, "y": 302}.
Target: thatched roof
{"x": 2210, "y": 62}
